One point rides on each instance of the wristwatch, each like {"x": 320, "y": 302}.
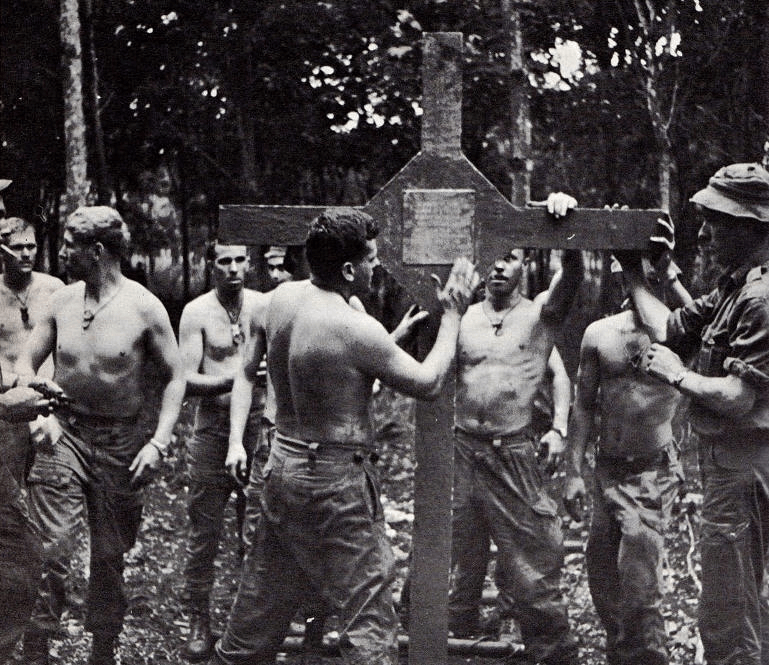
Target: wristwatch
{"x": 561, "y": 431}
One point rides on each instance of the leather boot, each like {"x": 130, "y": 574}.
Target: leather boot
{"x": 103, "y": 649}
{"x": 35, "y": 648}
{"x": 200, "y": 642}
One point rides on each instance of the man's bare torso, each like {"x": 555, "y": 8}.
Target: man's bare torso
{"x": 221, "y": 357}
{"x": 102, "y": 367}
{"x": 498, "y": 376}
{"x": 311, "y": 340}
{"x": 13, "y": 330}
{"x": 636, "y": 409}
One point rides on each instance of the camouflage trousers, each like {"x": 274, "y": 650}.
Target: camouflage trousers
{"x": 321, "y": 534}
{"x": 631, "y": 507}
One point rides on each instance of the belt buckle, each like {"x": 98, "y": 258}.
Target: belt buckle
{"x": 312, "y": 451}
{"x": 497, "y": 442}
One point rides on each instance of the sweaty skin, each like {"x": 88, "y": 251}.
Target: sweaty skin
{"x": 324, "y": 356}
{"x": 102, "y": 368}
{"x": 498, "y": 375}
{"x": 32, "y": 288}
{"x": 636, "y": 409}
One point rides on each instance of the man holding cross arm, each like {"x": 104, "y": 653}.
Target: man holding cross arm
{"x": 729, "y": 409}
{"x": 323, "y": 529}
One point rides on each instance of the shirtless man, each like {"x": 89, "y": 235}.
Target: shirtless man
{"x": 105, "y": 330}
{"x": 212, "y": 339}
{"x": 636, "y": 479}
{"x": 24, "y": 294}
{"x": 503, "y": 352}
{"x": 323, "y": 529}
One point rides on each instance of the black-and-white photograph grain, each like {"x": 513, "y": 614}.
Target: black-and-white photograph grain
{"x": 362, "y": 332}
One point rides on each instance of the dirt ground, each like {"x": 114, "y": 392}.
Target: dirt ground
{"x": 156, "y": 625}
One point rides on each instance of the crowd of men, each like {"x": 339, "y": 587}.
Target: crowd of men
{"x": 292, "y": 437}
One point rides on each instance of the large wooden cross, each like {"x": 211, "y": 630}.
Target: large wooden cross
{"x": 437, "y": 207}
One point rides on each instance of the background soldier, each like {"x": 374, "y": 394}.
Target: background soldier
{"x": 213, "y": 334}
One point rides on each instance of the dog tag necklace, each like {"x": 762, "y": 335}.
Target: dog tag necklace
{"x": 236, "y": 330}
{"x": 23, "y": 302}
{"x": 89, "y": 314}
{"x": 497, "y": 326}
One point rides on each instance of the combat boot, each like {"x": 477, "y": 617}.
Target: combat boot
{"x": 103, "y": 649}
{"x": 35, "y": 649}
{"x": 200, "y": 641}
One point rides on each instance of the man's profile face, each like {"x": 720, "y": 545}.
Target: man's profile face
{"x": 717, "y": 239}
{"x": 230, "y": 265}
{"x": 24, "y": 246}
{"x": 74, "y": 257}
{"x": 276, "y": 270}
{"x": 504, "y": 274}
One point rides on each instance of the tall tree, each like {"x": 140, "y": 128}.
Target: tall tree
{"x": 76, "y": 158}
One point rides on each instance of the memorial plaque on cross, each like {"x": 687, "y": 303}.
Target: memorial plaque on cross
{"x": 437, "y": 207}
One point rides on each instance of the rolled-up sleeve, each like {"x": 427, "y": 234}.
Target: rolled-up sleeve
{"x": 748, "y": 355}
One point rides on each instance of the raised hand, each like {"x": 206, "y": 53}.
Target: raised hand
{"x": 412, "y": 317}
{"x": 460, "y": 285}
{"x": 559, "y": 204}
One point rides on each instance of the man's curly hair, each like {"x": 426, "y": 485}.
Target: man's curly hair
{"x": 335, "y": 237}
{"x": 90, "y": 224}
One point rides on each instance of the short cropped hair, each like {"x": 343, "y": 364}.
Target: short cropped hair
{"x": 89, "y": 224}
{"x": 335, "y": 237}
{"x": 11, "y": 225}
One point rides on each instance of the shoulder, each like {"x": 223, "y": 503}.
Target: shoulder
{"x": 68, "y": 292}
{"x": 47, "y": 282}
{"x": 254, "y": 300}
{"x": 144, "y": 300}
{"x": 602, "y": 329}
{"x": 197, "y": 307}
{"x": 756, "y": 284}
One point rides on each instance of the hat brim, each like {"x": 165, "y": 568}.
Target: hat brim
{"x": 713, "y": 199}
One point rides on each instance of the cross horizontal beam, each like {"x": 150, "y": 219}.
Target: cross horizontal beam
{"x": 583, "y": 228}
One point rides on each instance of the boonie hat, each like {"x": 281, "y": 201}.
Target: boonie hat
{"x": 740, "y": 190}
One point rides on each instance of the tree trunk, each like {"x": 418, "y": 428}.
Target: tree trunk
{"x": 76, "y": 179}
{"x": 103, "y": 187}
{"x": 520, "y": 126}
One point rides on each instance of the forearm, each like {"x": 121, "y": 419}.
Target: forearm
{"x": 204, "y": 385}
{"x": 579, "y": 432}
{"x": 677, "y": 289}
{"x": 171, "y": 404}
{"x": 562, "y": 393}
{"x": 240, "y": 406}
{"x": 726, "y": 395}
{"x": 652, "y": 312}
{"x": 439, "y": 361}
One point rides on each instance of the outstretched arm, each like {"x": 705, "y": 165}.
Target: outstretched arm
{"x": 379, "y": 357}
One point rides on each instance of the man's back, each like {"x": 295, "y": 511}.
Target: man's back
{"x": 314, "y": 340}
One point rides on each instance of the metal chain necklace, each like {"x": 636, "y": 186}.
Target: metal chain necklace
{"x": 89, "y": 314}
{"x": 497, "y": 326}
{"x": 236, "y": 330}
{"x": 24, "y": 309}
